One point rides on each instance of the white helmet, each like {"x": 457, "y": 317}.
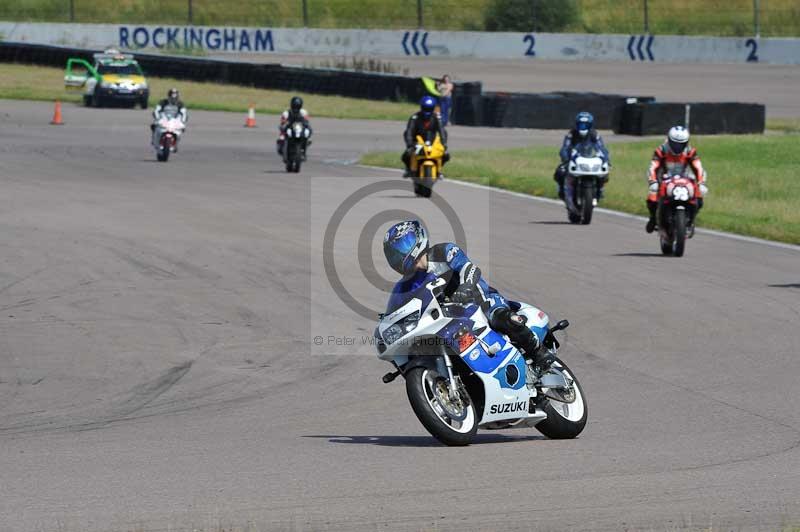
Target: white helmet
{"x": 678, "y": 138}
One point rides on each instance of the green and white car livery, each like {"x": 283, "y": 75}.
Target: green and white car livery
{"x": 114, "y": 78}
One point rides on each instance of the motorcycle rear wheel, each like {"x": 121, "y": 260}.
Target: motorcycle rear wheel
{"x": 451, "y": 424}
{"x": 564, "y": 420}
{"x": 163, "y": 155}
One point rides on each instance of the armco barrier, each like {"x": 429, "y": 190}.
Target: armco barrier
{"x": 411, "y": 43}
{"x": 702, "y": 118}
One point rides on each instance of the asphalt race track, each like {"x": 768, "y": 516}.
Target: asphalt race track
{"x": 157, "y": 367}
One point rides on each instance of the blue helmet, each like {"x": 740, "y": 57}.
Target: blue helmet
{"x": 584, "y": 123}
{"x": 403, "y": 244}
{"x": 426, "y": 106}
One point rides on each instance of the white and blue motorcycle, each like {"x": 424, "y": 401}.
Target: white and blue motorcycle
{"x": 461, "y": 375}
{"x": 588, "y": 167}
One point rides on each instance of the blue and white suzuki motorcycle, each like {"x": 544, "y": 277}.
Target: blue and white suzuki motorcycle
{"x": 461, "y": 375}
{"x": 588, "y": 166}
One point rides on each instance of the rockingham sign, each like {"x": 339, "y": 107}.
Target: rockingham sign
{"x": 413, "y": 43}
{"x": 212, "y": 39}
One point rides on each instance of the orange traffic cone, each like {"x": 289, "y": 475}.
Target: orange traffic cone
{"x": 57, "y": 120}
{"x": 251, "y": 117}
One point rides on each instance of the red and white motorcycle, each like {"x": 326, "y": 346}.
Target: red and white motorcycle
{"x": 677, "y": 207}
{"x": 167, "y": 132}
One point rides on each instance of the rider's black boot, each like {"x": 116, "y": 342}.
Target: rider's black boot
{"x": 652, "y": 206}
{"x": 690, "y": 229}
{"x": 601, "y": 189}
{"x": 514, "y": 326}
{"x": 406, "y": 158}
{"x": 558, "y": 177}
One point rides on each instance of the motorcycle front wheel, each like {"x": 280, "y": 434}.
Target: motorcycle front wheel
{"x": 293, "y": 157}
{"x": 588, "y": 204}
{"x": 680, "y": 232}
{"x": 452, "y": 422}
{"x": 565, "y": 420}
{"x": 666, "y": 242}
{"x": 422, "y": 191}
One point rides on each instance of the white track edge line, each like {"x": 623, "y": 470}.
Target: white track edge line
{"x": 713, "y": 232}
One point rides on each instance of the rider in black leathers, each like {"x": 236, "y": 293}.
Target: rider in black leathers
{"x": 171, "y": 103}
{"x": 423, "y": 123}
{"x": 295, "y": 113}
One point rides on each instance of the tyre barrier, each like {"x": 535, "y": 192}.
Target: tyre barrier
{"x": 702, "y": 118}
{"x": 554, "y": 110}
{"x": 369, "y": 85}
{"x": 640, "y": 115}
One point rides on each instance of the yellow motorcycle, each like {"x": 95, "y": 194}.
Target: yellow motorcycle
{"x": 426, "y": 165}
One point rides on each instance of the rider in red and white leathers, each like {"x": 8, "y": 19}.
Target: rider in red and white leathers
{"x": 674, "y": 157}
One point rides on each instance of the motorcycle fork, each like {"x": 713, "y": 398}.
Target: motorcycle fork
{"x": 449, "y": 370}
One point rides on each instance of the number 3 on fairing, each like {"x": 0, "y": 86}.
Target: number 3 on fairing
{"x": 529, "y": 38}
{"x": 753, "y": 45}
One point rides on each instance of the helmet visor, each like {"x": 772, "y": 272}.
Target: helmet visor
{"x": 397, "y": 251}
{"x": 677, "y": 147}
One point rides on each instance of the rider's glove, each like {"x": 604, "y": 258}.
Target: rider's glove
{"x": 464, "y": 294}
{"x": 703, "y": 189}
{"x": 653, "y": 187}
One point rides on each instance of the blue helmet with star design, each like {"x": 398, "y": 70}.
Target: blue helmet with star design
{"x": 403, "y": 244}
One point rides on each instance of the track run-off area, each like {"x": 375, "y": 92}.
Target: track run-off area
{"x": 158, "y": 369}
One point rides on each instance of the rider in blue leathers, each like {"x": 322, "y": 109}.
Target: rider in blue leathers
{"x": 408, "y": 253}
{"x": 583, "y": 131}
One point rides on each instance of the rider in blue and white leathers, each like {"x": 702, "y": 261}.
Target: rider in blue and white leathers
{"x": 408, "y": 253}
{"x": 584, "y": 130}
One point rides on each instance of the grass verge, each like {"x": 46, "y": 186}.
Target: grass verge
{"x": 25, "y": 82}
{"x": 753, "y": 182}
{"x": 708, "y": 17}
{"x": 783, "y": 125}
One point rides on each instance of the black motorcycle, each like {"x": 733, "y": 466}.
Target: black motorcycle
{"x": 294, "y": 148}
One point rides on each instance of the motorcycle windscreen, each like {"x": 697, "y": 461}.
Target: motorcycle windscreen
{"x": 408, "y": 288}
{"x": 588, "y": 150}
